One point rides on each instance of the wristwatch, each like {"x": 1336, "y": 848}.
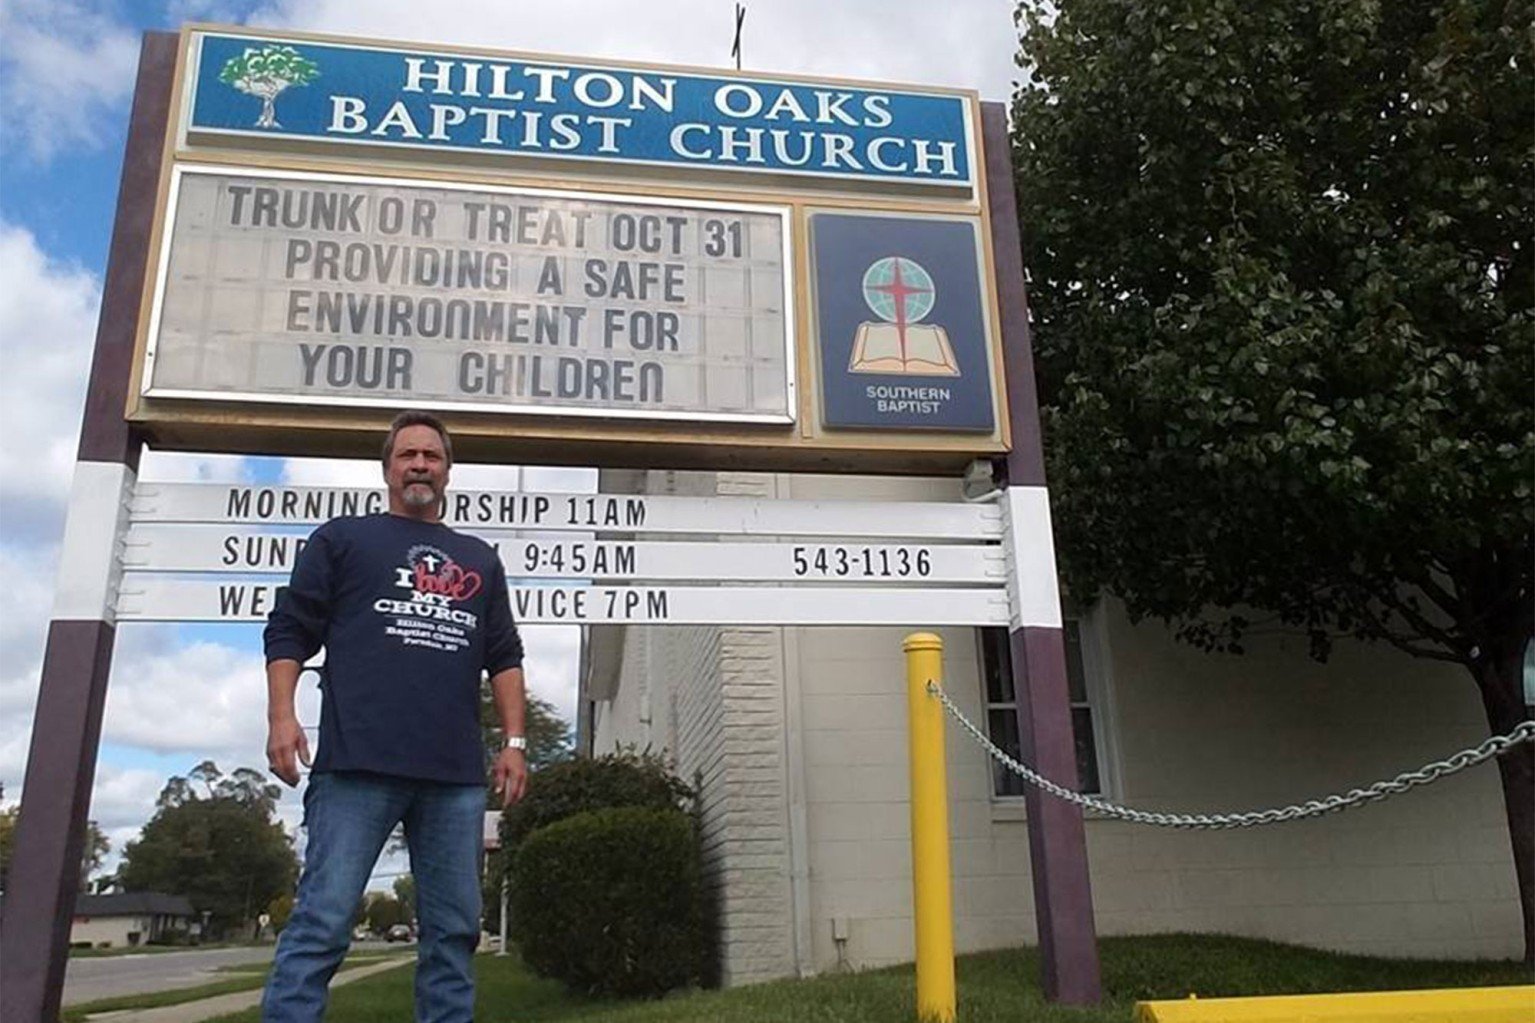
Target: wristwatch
{"x": 516, "y": 742}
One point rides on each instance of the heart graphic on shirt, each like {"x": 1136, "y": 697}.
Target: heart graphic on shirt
{"x": 461, "y": 585}
{"x": 449, "y": 581}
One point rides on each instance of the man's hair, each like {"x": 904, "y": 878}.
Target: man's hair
{"x": 415, "y": 417}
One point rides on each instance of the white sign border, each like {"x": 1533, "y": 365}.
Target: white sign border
{"x": 784, "y": 213}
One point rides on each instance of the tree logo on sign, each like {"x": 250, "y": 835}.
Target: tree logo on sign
{"x": 266, "y": 73}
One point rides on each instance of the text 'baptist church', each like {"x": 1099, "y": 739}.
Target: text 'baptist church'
{"x": 807, "y": 139}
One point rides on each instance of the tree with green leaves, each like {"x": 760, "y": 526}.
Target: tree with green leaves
{"x": 8, "y": 817}
{"x": 384, "y": 911}
{"x": 550, "y": 742}
{"x": 549, "y": 736}
{"x": 405, "y": 894}
{"x": 215, "y": 839}
{"x": 92, "y": 853}
{"x": 1283, "y": 302}
{"x": 266, "y": 73}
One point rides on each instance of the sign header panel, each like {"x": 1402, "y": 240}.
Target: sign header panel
{"x": 336, "y": 290}
{"x": 249, "y": 87}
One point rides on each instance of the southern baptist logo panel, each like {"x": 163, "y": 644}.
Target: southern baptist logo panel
{"x": 901, "y": 323}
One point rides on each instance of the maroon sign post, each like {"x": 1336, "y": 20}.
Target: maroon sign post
{"x": 44, "y": 874}
{"x": 1063, "y": 901}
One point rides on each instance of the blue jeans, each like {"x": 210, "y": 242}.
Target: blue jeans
{"x": 349, "y": 816}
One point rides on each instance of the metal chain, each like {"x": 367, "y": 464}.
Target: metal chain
{"x": 1524, "y": 732}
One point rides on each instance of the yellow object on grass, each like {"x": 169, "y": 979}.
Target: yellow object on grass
{"x": 1458, "y": 1005}
{"x": 931, "y": 897}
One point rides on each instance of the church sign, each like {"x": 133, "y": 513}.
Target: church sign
{"x": 577, "y": 262}
{"x": 553, "y": 110}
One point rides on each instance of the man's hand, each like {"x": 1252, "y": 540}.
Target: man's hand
{"x": 511, "y": 776}
{"x": 286, "y": 745}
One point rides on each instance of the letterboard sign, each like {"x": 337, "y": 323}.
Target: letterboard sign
{"x": 340, "y": 290}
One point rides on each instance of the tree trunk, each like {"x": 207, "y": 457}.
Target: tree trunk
{"x": 1500, "y": 677}
{"x": 268, "y": 118}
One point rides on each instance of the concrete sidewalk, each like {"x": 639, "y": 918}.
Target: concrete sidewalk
{"x": 223, "y": 1005}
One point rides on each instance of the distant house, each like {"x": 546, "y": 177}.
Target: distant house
{"x": 129, "y": 918}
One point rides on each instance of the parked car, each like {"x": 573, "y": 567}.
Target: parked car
{"x": 399, "y": 932}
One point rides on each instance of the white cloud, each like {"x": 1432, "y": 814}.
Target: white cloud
{"x": 123, "y": 799}
{"x": 552, "y": 656}
{"x": 47, "y": 328}
{"x": 204, "y": 699}
{"x": 188, "y": 467}
{"x": 66, "y": 68}
{"x": 965, "y": 43}
{"x": 47, "y": 325}
{"x": 24, "y": 612}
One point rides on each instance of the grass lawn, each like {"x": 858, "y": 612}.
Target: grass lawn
{"x": 994, "y": 987}
{"x": 245, "y": 977}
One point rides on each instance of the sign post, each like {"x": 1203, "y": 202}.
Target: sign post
{"x": 66, "y": 729}
{"x": 1063, "y": 901}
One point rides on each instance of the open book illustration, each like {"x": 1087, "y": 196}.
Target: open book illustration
{"x": 900, "y": 292}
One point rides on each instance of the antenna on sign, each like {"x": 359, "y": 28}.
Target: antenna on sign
{"x": 735, "y": 49}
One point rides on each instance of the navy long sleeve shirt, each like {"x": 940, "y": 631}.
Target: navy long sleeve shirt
{"x": 410, "y": 614}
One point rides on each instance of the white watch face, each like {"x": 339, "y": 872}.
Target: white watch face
{"x": 516, "y": 742}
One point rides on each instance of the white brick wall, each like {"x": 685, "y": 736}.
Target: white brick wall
{"x": 724, "y": 726}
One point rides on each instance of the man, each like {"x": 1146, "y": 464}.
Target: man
{"x": 410, "y": 613}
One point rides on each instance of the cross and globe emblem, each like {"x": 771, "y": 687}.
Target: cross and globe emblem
{"x": 898, "y": 290}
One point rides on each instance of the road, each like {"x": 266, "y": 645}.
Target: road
{"x": 92, "y": 977}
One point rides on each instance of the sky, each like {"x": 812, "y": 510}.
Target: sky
{"x": 183, "y": 694}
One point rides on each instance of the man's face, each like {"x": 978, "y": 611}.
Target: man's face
{"x": 417, "y": 473}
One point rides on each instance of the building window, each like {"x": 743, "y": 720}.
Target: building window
{"x": 1002, "y": 710}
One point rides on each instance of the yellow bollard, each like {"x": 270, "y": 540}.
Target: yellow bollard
{"x": 931, "y": 896}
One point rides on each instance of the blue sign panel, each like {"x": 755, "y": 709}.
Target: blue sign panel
{"x": 901, "y": 327}
{"x": 298, "y": 89}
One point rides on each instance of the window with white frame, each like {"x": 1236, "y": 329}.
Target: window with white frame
{"x": 1002, "y": 710}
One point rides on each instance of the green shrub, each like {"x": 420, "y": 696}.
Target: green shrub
{"x": 612, "y": 902}
{"x": 592, "y": 783}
